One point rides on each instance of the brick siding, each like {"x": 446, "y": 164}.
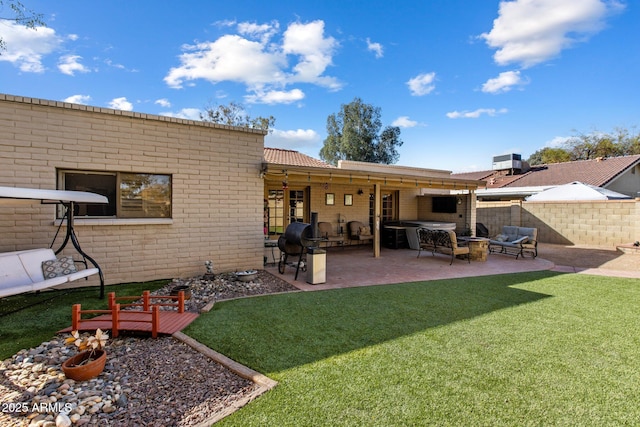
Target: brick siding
{"x": 217, "y": 203}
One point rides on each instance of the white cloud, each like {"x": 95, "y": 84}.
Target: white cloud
{"x": 529, "y": 32}
{"x": 476, "y": 113}
{"x": 558, "y": 141}
{"x": 78, "y": 99}
{"x": 298, "y": 139}
{"x": 503, "y": 83}
{"x": 376, "y": 48}
{"x": 26, "y": 47}
{"x": 185, "y": 113}
{"x": 263, "y": 65}
{"x": 275, "y": 97}
{"x": 121, "y": 104}
{"x": 262, "y": 32}
{"x": 69, "y": 64}
{"x": 110, "y": 63}
{"x": 314, "y": 50}
{"x": 404, "y": 122}
{"x": 163, "y": 102}
{"x": 230, "y": 58}
{"x": 422, "y": 84}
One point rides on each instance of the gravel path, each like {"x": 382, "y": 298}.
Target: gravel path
{"x": 146, "y": 382}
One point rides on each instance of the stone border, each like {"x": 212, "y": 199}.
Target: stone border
{"x": 263, "y": 382}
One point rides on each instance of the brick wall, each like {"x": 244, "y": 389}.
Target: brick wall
{"x": 461, "y": 218}
{"x": 589, "y": 223}
{"x": 217, "y": 192}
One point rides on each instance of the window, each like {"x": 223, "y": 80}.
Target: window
{"x": 276, "y": 212}
{"x": 131, "y": 195}
{"x": 296, "y": 206}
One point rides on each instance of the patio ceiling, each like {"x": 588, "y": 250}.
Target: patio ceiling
{"x": 356, "y": 173}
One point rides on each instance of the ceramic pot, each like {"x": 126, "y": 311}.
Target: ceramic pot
{"x": 74, "y": 369}
{"x": 183, "y": 288}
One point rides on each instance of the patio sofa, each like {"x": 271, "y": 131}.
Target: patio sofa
{"x": 358, "y": 232}
{"x": 441, "y": 241}
{"x": 36, "y": 269}
{"x": 515, "y": 241}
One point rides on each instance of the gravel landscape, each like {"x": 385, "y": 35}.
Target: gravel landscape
{"x": 159, "y": 382}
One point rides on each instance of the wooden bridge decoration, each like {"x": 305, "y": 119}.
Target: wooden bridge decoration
{"x": 149, "y": 318}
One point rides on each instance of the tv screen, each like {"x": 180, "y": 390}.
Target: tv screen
{"x": 444, "y": 204}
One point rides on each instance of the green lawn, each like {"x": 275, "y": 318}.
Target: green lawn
{"x": 520, "y": 349}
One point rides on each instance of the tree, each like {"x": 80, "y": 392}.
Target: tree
{"x": 589, "y": 146}
{"x": 549, "y": 155}
{"x": 23, "y": 16}
{"x": 234, "y": 115}
{"x": 354, "y": 134}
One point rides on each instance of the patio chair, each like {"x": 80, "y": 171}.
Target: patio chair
{"x": 325, "y": 230}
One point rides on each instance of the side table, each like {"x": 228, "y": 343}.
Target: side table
{"x": 478, "y": 247}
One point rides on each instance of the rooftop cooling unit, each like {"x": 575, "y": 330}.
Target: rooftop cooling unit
{"x": 507, "y": 162}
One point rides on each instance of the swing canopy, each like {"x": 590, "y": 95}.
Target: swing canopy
{"x": 35, "y": 269}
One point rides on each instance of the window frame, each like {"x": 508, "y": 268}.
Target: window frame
{"x": 117, "y": 203}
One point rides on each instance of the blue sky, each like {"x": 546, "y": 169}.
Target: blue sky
{"x": 464, "y": 80}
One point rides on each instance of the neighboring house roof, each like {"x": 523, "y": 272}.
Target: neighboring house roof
{"x": 597, "y": 172}
{"x": 278, "y": 156}
{"x": 576, "y": 191}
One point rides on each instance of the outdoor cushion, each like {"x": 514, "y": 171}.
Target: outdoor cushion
{"x": 58, "y": 267}
{"x": 520, "y": 239}
{"x": 22, "y": 271}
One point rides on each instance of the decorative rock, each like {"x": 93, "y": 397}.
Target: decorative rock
{"x": 62, "y": 421}
{"x": 139, "y": 386}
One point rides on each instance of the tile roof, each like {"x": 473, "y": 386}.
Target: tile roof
{"x": 279, "y": 156}
{"x": 595, "y": 172}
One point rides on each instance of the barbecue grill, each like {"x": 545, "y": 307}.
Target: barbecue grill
{"x": 295, "y": 241}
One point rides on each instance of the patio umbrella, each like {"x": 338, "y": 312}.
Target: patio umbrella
{"x": 576, "y": 191}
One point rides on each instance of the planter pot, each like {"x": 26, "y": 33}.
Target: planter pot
{"x": 74, "y": 369}
{"x": 183, "y": 288}
{"x": 247, "y": 276}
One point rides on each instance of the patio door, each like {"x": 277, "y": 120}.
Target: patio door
{"x": 389, "y": 207}
{"x": 297, "y": 206}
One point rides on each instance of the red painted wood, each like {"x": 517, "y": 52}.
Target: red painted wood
{"x": 115, "y": 319}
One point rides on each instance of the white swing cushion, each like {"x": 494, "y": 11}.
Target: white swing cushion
{"x": 21, "y": 271}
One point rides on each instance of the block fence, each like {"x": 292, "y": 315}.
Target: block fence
{"x": 590, "y": 223}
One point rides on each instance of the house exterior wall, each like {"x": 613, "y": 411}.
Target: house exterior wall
{"x": 590, "y": 223}
{"x": 216, "y": 190}
{"x": 627, "y": 183}
{"x": 461, "y": 218}
{"x": 408, "y": 204}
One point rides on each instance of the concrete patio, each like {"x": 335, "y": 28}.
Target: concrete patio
{"x": 356, "y": 266}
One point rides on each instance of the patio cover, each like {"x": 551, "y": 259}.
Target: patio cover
{"x": 576, "y": 191}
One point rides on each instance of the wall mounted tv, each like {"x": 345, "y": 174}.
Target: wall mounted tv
{"x": 444, "y": 204}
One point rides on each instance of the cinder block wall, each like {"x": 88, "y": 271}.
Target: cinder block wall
{"x": 217, "y": 192}
{"x": 590, "y": 223}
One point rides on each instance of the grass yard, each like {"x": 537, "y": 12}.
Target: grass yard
{"x": 521, "y": 349}
{"x": 27, "y": 320}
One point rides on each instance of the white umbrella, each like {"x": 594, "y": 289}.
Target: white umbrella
{"x": 576, "y": 191}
